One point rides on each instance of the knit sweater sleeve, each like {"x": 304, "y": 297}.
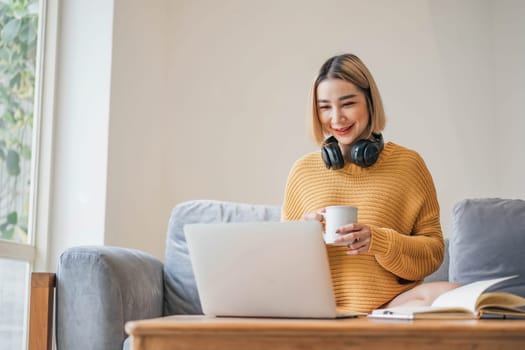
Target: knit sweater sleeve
{"x": 413, "y": 255}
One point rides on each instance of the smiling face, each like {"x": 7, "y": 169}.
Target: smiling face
{"x": 342, "y": 110}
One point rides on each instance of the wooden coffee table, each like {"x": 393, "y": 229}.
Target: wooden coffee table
{"x": 200, "y": 332}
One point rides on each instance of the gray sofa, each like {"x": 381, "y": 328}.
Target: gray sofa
{"x": 99, "y": 289}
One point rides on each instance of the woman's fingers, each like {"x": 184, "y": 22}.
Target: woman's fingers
{"x": 357, "y": 237}
{"x": 316, "y": 215}
{"x": 362, "y": 249}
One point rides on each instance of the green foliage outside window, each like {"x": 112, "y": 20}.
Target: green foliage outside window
{"x": 18, "y": 47}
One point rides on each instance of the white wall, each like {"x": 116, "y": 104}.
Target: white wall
{"x": 137, "y": 205}
{"x": 509, "y": 82}
{"x": 110, "y": 134}
{"x": 79, "y": 169}
{"x": 170, "y": 100}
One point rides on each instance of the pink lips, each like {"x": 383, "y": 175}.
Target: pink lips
{"x": 342, "y": 131}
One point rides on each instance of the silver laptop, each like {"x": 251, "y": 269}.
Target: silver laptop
{"x": 264, "y": 269}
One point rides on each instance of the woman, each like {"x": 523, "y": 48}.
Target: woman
{"x": 398, "y": 239}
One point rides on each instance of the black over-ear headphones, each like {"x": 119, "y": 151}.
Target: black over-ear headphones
{"x": 363, "y": 153}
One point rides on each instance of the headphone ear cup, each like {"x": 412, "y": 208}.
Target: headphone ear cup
{"x": 331, "y": 154}
{"x": 365, "y": 152}
{"x": 357, "y": 152}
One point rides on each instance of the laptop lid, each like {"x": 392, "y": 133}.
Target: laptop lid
{"x": 263, "y": 269}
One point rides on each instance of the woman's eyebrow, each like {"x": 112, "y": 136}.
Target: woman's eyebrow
{"x": 345, "y": 97}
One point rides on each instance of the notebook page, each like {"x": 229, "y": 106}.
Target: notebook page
{"x": 466, "y": 296}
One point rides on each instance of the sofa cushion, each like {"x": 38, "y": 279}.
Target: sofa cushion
{"x": 488, "y": 241}
{"x": 180, "y": 291}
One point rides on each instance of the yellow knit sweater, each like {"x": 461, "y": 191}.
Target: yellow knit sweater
{"x": 397, "y": 199}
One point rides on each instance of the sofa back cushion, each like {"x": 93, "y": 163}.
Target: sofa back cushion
{"x": 180, "y": 291}
{"x": 488, "y": 241}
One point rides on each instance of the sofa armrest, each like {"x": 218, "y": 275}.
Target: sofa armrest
{"x": 99, "y": 289}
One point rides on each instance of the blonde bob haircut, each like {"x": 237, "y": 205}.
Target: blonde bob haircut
{"x": 350, "y": 68}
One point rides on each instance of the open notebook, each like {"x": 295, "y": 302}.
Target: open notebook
{"x": 263, "y": 269}
{"x": 467, "y": 301}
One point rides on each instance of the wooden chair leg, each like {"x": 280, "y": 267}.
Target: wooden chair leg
{"x": 41, "y": 310}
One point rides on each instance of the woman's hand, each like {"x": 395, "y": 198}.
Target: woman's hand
{"x": 315, "y": 216}
{"x": 356, "y": 236}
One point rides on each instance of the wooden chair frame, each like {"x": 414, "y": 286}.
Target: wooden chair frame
{"x": 41, "y": 306}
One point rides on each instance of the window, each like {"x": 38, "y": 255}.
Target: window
{"x": 13, "y": 296}
{"x": 20, "y": 36}
{"x": 18, "y": 48}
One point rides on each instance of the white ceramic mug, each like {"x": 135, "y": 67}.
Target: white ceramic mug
{"x": 335, "y": 217}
